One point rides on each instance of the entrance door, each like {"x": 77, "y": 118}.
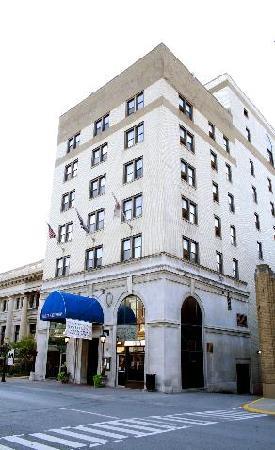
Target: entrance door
{"x": 92, "y": 360}
{"x": 134, "y": 367}
{"x": 243, "y": 378}
{"x": 191, "y": 345}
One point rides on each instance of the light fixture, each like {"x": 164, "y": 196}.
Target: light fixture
{"x": 67, "y": 340}
{"x": 103, "y": 338}
{"x": 259, "y": 352}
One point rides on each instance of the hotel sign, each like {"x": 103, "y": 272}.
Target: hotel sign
{"x": 78, "y": 329}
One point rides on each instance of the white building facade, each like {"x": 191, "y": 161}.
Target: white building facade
{"x": 174, "y": 181}
{"x": 19, "y": 302}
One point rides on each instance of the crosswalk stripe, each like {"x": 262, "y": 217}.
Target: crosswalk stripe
{"x": 4, "y": 447}
{"x": 140, "y": 427}
{"x": 233, "y": 416}
{"x": 47, "y": 437}
{"x": 186, "y": 420}
{"x": 79, "y": 436}
{"x": 30, "y": 444}
{"x": 145, "y": 421}
{"x": 118, "y": 428}
{"x": 100, "y": 432}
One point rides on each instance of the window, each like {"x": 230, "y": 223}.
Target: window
{"x": 254, "y": 194}
{"x": 272, "y": 209}
{"x": 16, "y": 332}
{"x": 214, "y": 160}
{"x": 67, "y": 201}
{"x": 134, "y": 135}
{"x": 190, "y": 250}
{"x": 101, "y": 125}
{"x": 219, "y": 260}
{"x": 228, "y": 172}
{"x": 135, "y": 103}
{"x": 131, "y": 247}
{"x": 187, "y": 139}
{"x": 65, "y": 232}
{"x": 235, "y": 268}
{"x": 189, "y": 211}
{"x": 231, "y": 202}
{"x": 188, "y": 173}
{"x": 71, "y": 170}
{"x": 132, "y": 207}
{"x": 270, "y": 157}
{"x": 257, "y": 221}
{"x": 233, "y": 235}
{"x": 96, "y": 220}
{"x": 18, "y": 303}
{"x": 32, "y": 329}
{"x": 99, "y": 154}
{"x": 62, "y": 266}
{"x": 245, "y": 112}
{"x": 31, "y": 301}
{"x": 269, "y": 184}
{"x": 215, "y": 192}
{"x": 2, "y": 335}
{"x": 73, "y": 142}
{"x": 252, "y": 171}
{"x": 97, "y": 186}
{"x": 185, "y": 107}
{"x": 133, "y": 170}
{"x": 260, "y": 250}
{"x": 211, "y": 130}
{"x": 226, "y": 144}
{"x": 94, "y": 257}
{"x": 4, "y": 305}
{"x": 248, "y": 134}
{"x": 218, "y": 231}
{"x": 241, "y": 320}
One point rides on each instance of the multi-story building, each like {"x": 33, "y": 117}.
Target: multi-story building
{"x": 19, "y": 301}
{"x": 173, "y": 181}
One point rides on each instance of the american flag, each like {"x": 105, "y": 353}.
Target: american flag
{"x": 82, "y": 223}
{"x": 117, "y": 208}
{"x": 52, "y": 234}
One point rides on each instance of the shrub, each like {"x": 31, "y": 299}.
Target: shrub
{"x": 97, "y": 379}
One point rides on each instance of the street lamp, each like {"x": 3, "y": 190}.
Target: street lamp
{"x": 103, "y": 340}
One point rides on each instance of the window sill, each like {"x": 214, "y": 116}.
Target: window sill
{"x": 97, "y": 164}
{"x": 99, "y": 195}
{"x": 129, "y": 182}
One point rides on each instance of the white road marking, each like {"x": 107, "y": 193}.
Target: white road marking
{"x": 100, "y": 432}
{"x": 227, "y": 416}
{"x": 117, "y": 428}
{"x": 47, "y": 437}
{"x": 186, "y": 420}
{"x": 25, "y": 443}
{"x": 138, "y": 427}
{"x": 150, "y": 422}
{"x": 89, "y": 412}
{"x": 4, "y": 447}
{"x": 84, "y": 437}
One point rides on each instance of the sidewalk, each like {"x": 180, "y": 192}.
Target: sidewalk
{"x": 262, "y": 405}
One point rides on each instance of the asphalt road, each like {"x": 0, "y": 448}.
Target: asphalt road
{"x": 48, "y": 416}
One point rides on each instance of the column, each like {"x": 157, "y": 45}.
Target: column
{"x": 8, "y": 332}
{"x": 23, "y": 322}
{"x": 42, "y": 336}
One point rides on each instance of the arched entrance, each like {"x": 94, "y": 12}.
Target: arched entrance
{"x": 131, "y": 342}
{"x": 191, "y": 344}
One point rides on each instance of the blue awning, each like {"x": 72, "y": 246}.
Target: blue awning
{"x": 60, "y": 306}
{"x": 126, "y": 316}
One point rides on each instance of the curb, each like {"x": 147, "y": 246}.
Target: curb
{"x": 248, "y": 407}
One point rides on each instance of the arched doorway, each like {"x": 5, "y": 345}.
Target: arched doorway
{"x": 131, "y": 342}
{"x": 191, "y": 344}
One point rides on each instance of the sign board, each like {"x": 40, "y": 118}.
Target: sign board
{"x": 10, "y": 357}
{"x": 78, "y": 329}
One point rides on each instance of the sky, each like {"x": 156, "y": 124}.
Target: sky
{"x": 54, "y": 53}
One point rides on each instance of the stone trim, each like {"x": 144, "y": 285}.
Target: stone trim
{"x": 157, "y": 64}
{"x": 231, "y": 331}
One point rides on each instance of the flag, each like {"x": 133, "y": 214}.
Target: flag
{"x": 82, "y": 223}
{"x": 117, "y": 208}
{"x": 52, "y": 234}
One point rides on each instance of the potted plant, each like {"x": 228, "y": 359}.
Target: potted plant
{"x": 63, "y": 375}
{"x": 98, "y": 381}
